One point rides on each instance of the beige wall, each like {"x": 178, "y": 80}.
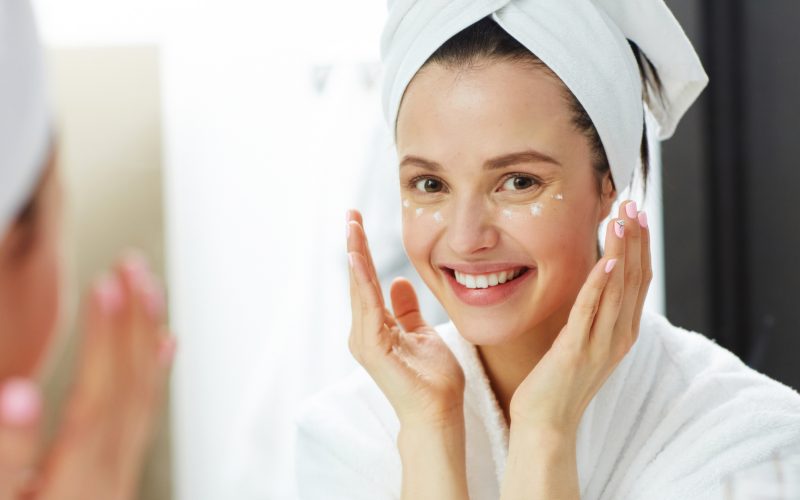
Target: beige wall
{"x": 109, "y": 128}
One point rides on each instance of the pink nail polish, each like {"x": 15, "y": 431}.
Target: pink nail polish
{"x": 109, "y": 295}
{"x": 619, "y": 228}
{"x": 610, "y": 265}
{"x": 135, "y": 262}
{"x": 643, "y": 219}
{"x": 630, "y": 209}
{"x": 20, "y": 402}
{"x": 154, "y": 301}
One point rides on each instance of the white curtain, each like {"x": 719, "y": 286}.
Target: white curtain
{"x": 269, "y": 109}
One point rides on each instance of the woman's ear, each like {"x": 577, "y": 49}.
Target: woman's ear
{"x": 608, "y": 193}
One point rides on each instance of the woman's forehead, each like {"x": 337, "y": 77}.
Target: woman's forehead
{"x": 489, "y": 109}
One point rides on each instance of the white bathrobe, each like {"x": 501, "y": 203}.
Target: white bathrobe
{"x": 676, "y": 416}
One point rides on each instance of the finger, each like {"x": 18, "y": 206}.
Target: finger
{"x": 139, "y": 325}
{"x": 647, "y": 272}
{"x": 582, "y": 314}
{"x": 406, "y": 306}
{"x": 96, "y": 368}
{"x": 371, "y": 323}
{"x": 20, "y": 421}
{"x": 357, "y": 242}
{"x": 613, "y": 293}
{"x": 633, "y": 270}
{"x": 355, "y": 340}
{"x": 355, "y": 216}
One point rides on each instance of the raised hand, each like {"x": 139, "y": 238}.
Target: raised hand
{"x": 122, "y": 370}
{"x": 602, "y": 327}
{"x": 404, "y": 355}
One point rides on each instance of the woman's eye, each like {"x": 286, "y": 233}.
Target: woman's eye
{"x": 518, "y": 183}
{"x": 429, "y": 185}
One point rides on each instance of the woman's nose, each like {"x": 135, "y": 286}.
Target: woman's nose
{"x": 472, "y": 228}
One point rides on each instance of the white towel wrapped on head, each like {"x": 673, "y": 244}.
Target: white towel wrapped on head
{"x": 584, "y": 42}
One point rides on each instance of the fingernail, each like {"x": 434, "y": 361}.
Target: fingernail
{"x": 630, "y": 208}
{"x": 347, "y": 215}
{"x": 348, "y": 229}
{"x": 137, "y": 268}
{"x": 619, "y": 228}
{"x": 154, "y": 301}
{"x": 643, "y": 219}
{"x": 350, "y": 260}
{"x": 610, "y": 265}
{"x": 135, "y": 262}
{"x": 20, "y": 402}
{"x": 166, "y": 352}
{"x": 109, "y": 295}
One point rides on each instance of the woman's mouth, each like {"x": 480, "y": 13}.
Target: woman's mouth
{"x": 487, "y": 288}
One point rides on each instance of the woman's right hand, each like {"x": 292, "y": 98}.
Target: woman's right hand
{"x": 405, "y": 356}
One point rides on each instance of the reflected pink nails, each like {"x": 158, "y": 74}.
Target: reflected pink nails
{"x": 20, "y": 402}
{"x": 610, "y": 265}
{"x": 154, "y": 300}
{"x": 109, "y": 295}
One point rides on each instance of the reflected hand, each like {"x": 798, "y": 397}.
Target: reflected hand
{"x": 403, "y": 354}
{"x": 123, "y": 367}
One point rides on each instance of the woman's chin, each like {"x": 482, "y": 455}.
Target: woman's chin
{"x": 487, "y": 330}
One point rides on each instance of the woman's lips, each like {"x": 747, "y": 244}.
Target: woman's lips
{"x": 487, "y": 296}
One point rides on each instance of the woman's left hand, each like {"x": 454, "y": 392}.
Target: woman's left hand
{"x": 602, "y": 327}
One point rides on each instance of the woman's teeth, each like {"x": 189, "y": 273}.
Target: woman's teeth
{"x": 487, "y": 280}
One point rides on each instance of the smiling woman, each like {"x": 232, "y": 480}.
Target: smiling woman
{"x": 549, "y": 381}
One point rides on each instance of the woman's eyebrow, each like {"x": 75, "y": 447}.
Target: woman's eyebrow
{"x": 527, "y": 156}
{"x": 420, "y": 162}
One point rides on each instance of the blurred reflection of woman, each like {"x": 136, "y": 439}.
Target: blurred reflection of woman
{"x": 517, "y": 123}
{"x": 126, "y": 351}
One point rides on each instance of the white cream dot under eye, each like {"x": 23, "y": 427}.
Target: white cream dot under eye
{"x": 419, "y": 211}
{"x": 558, "y": 196}
{"x": 437, "y": 216}
{"x": 536, "y": 209}
{"x": 507, "y": 213}
{"x": 406, "y": 203}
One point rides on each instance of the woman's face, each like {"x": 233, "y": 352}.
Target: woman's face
{"x": 496, "y": 180}
{"x": 30, "y": 270}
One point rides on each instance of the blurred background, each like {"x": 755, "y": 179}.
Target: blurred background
{"x": 228, "y": 139}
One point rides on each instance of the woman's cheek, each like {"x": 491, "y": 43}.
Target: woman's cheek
{"x": 421, "y": 226}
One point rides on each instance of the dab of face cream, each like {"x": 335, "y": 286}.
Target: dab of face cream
{"x": 419, "y": 211}
{"x": 507, "y": 213}
{"x": 406, "y": 203}
{"x": 437, "y": 216}
{"x": 558, "y": 196}
{"x": 536, "y": 209}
